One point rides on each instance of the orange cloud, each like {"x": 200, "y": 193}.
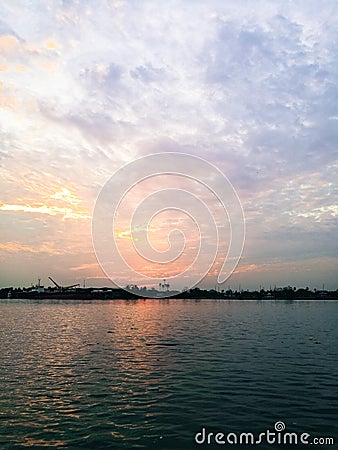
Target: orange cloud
{"x": 51, "y": 44}
{"x": 249, "y": 268}
{"x": 67, "y": 213}
{"x": 17, "y": 247}
{"x": 65, "y": 195}
{"x": 50, "y": 67}
{"x": 8, "y": 101}
{"x": 62, "y": 202}
{"x": 8, "y": 44}
{"x": 86, "y": 266}
{"x": 21, "y": 68}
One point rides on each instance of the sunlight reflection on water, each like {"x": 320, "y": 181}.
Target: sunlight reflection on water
{"x": 152, "y": 373}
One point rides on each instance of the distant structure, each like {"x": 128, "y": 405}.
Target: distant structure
{"x": 164, "y": 286}
{"x": 63, "y": 288}
{"x": 132, "y": 291}
{"x": 38, "y": 288}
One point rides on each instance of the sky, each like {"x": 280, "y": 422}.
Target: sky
{"x": 89, "y": 86}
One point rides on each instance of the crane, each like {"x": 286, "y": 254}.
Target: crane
{"x": 63, "y": 288}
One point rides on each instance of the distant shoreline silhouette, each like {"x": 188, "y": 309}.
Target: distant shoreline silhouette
{"x": 105, "y": 293}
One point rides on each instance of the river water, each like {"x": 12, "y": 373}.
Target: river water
{"x": 163, "y": 374}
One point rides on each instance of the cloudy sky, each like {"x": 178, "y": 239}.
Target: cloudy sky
{"x": 250, "y": 86}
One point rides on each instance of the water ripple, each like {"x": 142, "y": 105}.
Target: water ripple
{"x": 150, "y": 374}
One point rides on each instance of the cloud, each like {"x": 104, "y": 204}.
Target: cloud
{"x": 87, "y": 87}
{"x": 148, "y": 73}
{"x": 18, "y": 247}
{"x": 67, "y": 213}
{"x": 88, "y": 267}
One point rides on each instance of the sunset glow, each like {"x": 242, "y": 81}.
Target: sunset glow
{"x": 88, "y": 87}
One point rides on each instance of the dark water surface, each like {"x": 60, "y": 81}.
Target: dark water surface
{"x": 152, "y": 373}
